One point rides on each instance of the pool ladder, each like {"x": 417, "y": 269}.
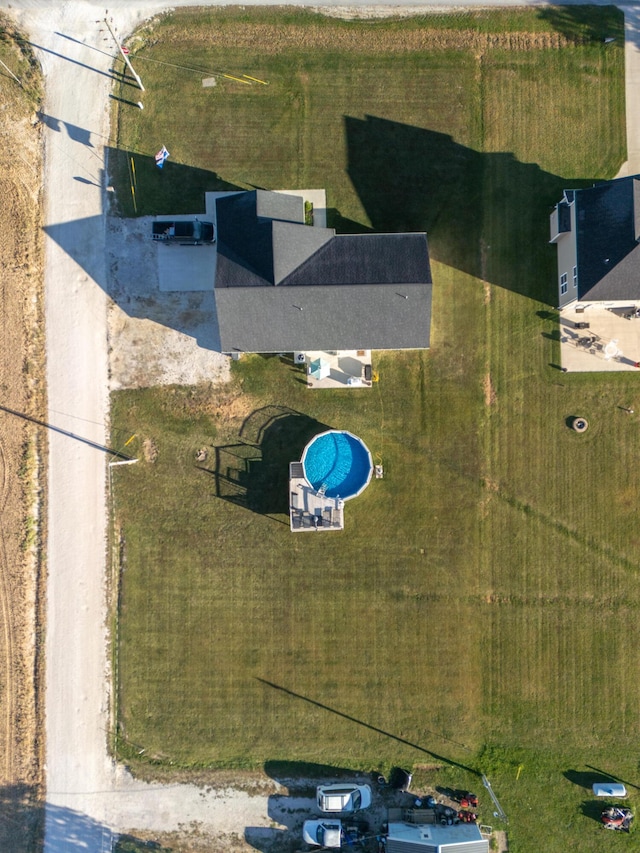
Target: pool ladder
{"x": 322, "y": 490}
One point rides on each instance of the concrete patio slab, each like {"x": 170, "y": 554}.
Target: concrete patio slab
{"x": 347, "y": 368}
{"x": 605, "y": 339}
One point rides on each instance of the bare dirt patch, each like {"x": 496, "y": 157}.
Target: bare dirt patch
{"x": 21, "y": 458}
{"x": 150, "y": 450}
{"x": 502, "y": 842}
{"x": 490, "y": 395}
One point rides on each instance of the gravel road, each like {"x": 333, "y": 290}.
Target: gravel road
{"x": 89, "y": 798}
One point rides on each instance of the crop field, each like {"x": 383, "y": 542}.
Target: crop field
{"x": 479, "y": 611}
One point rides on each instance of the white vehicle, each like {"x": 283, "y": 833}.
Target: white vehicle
{"x": 343, "y": 798}
{"x": 323, "y": 833}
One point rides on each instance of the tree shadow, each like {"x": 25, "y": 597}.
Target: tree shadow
{"x": 26, "y": 821}
{"x": 295, "y": 775}
{"x": 22, "y": 818}
{"x": 254, "y": 471}
{"x": 582, "y": 24}
{"x": 549, "y": 315}
{"x": 484, "y": 214}
{"x": 131, "y": 844}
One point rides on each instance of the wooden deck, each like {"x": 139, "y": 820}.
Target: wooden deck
{"x": 309, "y": 510}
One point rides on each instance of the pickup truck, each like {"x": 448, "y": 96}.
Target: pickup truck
{"x": 190, "y": 232}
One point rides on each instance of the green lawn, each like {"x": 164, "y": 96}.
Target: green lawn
{"x": 479, "y": 609}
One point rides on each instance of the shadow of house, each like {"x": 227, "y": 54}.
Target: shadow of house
{"x": 175, "y": 189}
{"x": 255, "y": 473}
{"x": 125, "y": 275}
{"x": 484, "y": 214}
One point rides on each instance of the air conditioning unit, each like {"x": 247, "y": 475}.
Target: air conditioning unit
{"x": 299, "y": 357}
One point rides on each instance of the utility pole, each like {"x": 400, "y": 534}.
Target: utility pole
{"x": 124, "y": 55}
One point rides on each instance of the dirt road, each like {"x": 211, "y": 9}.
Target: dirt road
{"x": 88, "y": 797}
{"x": 21, "y": 455}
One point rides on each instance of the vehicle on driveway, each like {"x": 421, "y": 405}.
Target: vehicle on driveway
{"x": 343, "y": 798}
{"x": 189, "y": 232}
{"x": 333, "y": 834}
{"x": 399, "y": 779}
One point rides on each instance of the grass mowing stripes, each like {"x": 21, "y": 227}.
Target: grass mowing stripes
{"x": 482, "y": 594}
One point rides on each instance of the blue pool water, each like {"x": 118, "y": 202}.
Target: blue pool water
{"x": 339, "y": 460}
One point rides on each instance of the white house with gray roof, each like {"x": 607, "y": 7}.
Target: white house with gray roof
{"x": 283, "y": 286}
{"x": 597, "y": 234}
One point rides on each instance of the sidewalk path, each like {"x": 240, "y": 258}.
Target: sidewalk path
{"x": 632, "y": 88}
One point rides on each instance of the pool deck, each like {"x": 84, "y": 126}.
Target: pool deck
{"x": 309, "y": 510}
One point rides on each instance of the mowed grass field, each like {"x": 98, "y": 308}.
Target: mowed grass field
{"x": 479, "y": 611}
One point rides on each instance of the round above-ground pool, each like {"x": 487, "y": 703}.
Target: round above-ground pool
{"x": 338, "y": 463}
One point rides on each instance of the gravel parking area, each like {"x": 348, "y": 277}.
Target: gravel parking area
{"x": 156, "y": 337}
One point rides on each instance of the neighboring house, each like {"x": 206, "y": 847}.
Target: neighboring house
{"x": 596, "y": 231}
{"x": 283, "y": 286}
{"x": 434, "y": 838}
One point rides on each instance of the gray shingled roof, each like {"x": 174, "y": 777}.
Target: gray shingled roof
{"x": 367, "y": 259}
{"x": 293, "y": 245}
{"x": 608, "y": 252}
{"x": 286, "y": 208}
{"x": 283, "y": 286}
{"x": 349, "y": 317}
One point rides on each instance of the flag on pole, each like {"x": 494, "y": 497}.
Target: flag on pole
{"x": 161, "y": 156}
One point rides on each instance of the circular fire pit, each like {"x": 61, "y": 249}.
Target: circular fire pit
{"x": 580, "y": 424}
